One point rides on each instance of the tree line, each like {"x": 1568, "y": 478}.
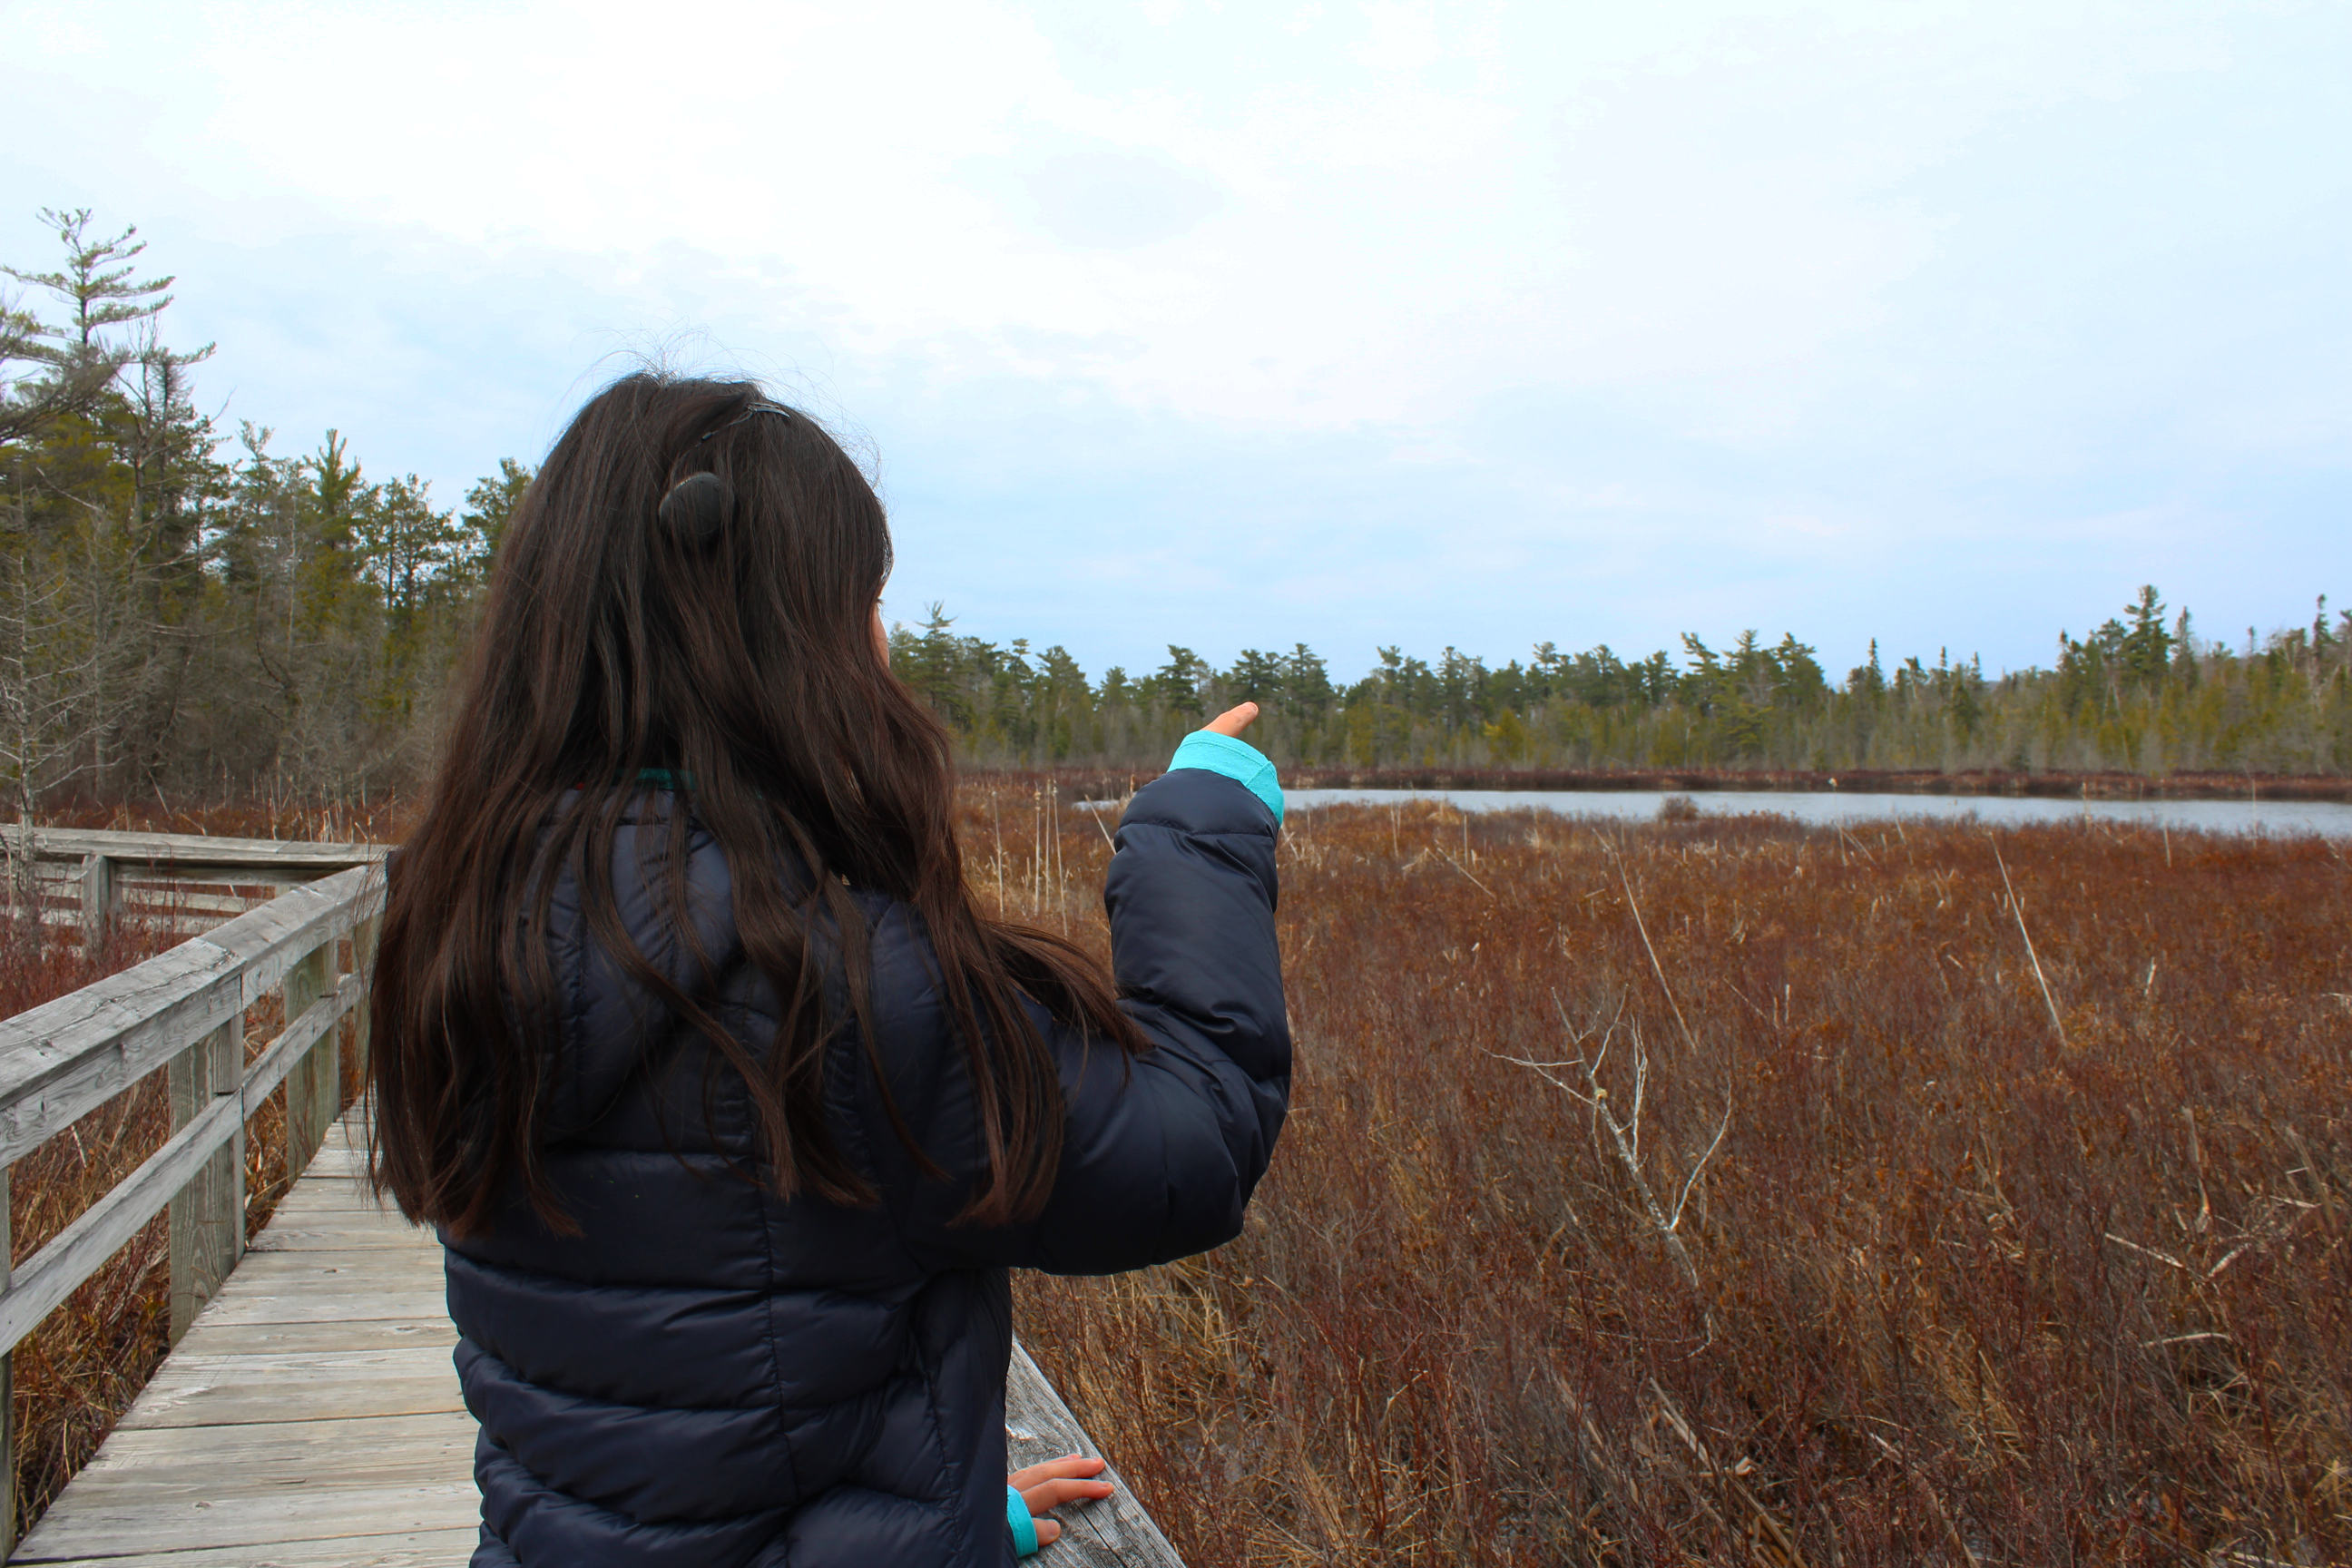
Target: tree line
{"x": 188, "y": 613}
{"x": 2142, "y": 692}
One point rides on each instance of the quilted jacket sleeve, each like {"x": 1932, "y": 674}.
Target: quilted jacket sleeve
{"x": 1161, "y": 1152}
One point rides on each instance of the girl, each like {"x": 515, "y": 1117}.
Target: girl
{"x": 731, "y": 1108}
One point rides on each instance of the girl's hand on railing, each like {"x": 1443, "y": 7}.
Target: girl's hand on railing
{"x": 1233, "y": 720}
{"x": 1057, "y": 1481}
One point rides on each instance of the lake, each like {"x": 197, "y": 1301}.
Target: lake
{"x": 1825, "y": 809}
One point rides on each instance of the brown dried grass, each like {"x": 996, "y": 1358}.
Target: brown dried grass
{"x": 1967, "y": 1290}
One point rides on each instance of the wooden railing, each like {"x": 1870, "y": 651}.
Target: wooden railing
{"x": 185, "y": 880}
{"x": 182, "y": 1013}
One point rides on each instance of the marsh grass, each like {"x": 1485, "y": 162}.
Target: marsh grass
{"x": 2024, "y": 1241}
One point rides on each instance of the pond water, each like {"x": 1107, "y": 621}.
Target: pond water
{"x": 2330, "y": 819}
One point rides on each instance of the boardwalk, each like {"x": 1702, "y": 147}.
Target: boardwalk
{"x": 310, "y": 1417}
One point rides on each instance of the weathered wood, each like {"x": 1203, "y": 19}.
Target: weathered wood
{"x": 324, "y": 1511}
{"x": 298, "y": 1385}
{"x": 324, "y": 1233}
{"x": 64, "y": 1058}
{"x": 281, "y": 1055}
{"x": 359, "y": 1270}
{"x": 328, "y": 1308}
{"x": 314, "y": 1088}
{"x": 335, "y": 1159}
{"x": 63, "y": 876}
{"x": 1038, "y": 1426}
{"x": 187, "y": 849}
{"x": 333, "y": 1336}
{"x": 320, "y": 1441}
{"x": 207, "y": 1223}
{"x": 76, "y": 1252}
{"x": 97, "y": 898}
{"x": 263, "y": 1456}
{"x": 51, "y": 1275}
{"x": 345, "y": 1196}
{"x": 403, "y": 1549}
{"x": 364, "y": 939}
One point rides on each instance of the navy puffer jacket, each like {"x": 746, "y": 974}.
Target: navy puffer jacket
{"x": 709, "y": 1377}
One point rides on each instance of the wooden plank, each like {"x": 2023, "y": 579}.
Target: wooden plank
{"x": 339, "y": 1272}
{"x": 179, "y": 925}
{"x": 334, "y": 1336}
{"x": 225, "y": 1461}
{"x": 192, "y": 848}
{"x": 176, "y": 879}
{"x": 406, "y": 1549}
{"x": 1038, "y": 1426}
{"x": 177, "y": 900}
{"x": 337, "y": 1195}
{"x": 338, "y": 1188}
{"x": 64, "y": 1058}
{"x": 311, "y": 1306}
{"x": 109, "y": 1531}
{"x": 339, "y": 1232}
{"x": 313, "y": 1387}
{"x": 330, "y": 1336}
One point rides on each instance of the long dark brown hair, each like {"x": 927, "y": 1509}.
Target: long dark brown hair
{"x": 727, "y": 638}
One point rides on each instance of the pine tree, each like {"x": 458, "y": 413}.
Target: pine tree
{"x": 75, "y": 364}
{"x": 489, "y": 507}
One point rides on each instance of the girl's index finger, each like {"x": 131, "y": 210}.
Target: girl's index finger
{"x": 1233, "y": 720}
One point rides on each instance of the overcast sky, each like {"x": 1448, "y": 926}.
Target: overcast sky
{"x": 1238, "y": 325}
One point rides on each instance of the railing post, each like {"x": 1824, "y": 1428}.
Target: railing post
{"x": 314, "y": 1088}
{"x": 97, "y": 899}
{"x": 208, "y": 1213}
{"x": 363, "y": 937}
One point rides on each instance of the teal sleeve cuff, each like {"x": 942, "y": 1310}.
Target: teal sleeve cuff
{"x": 1237, "y": 760}
{"x": 1025, "y": 1529}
